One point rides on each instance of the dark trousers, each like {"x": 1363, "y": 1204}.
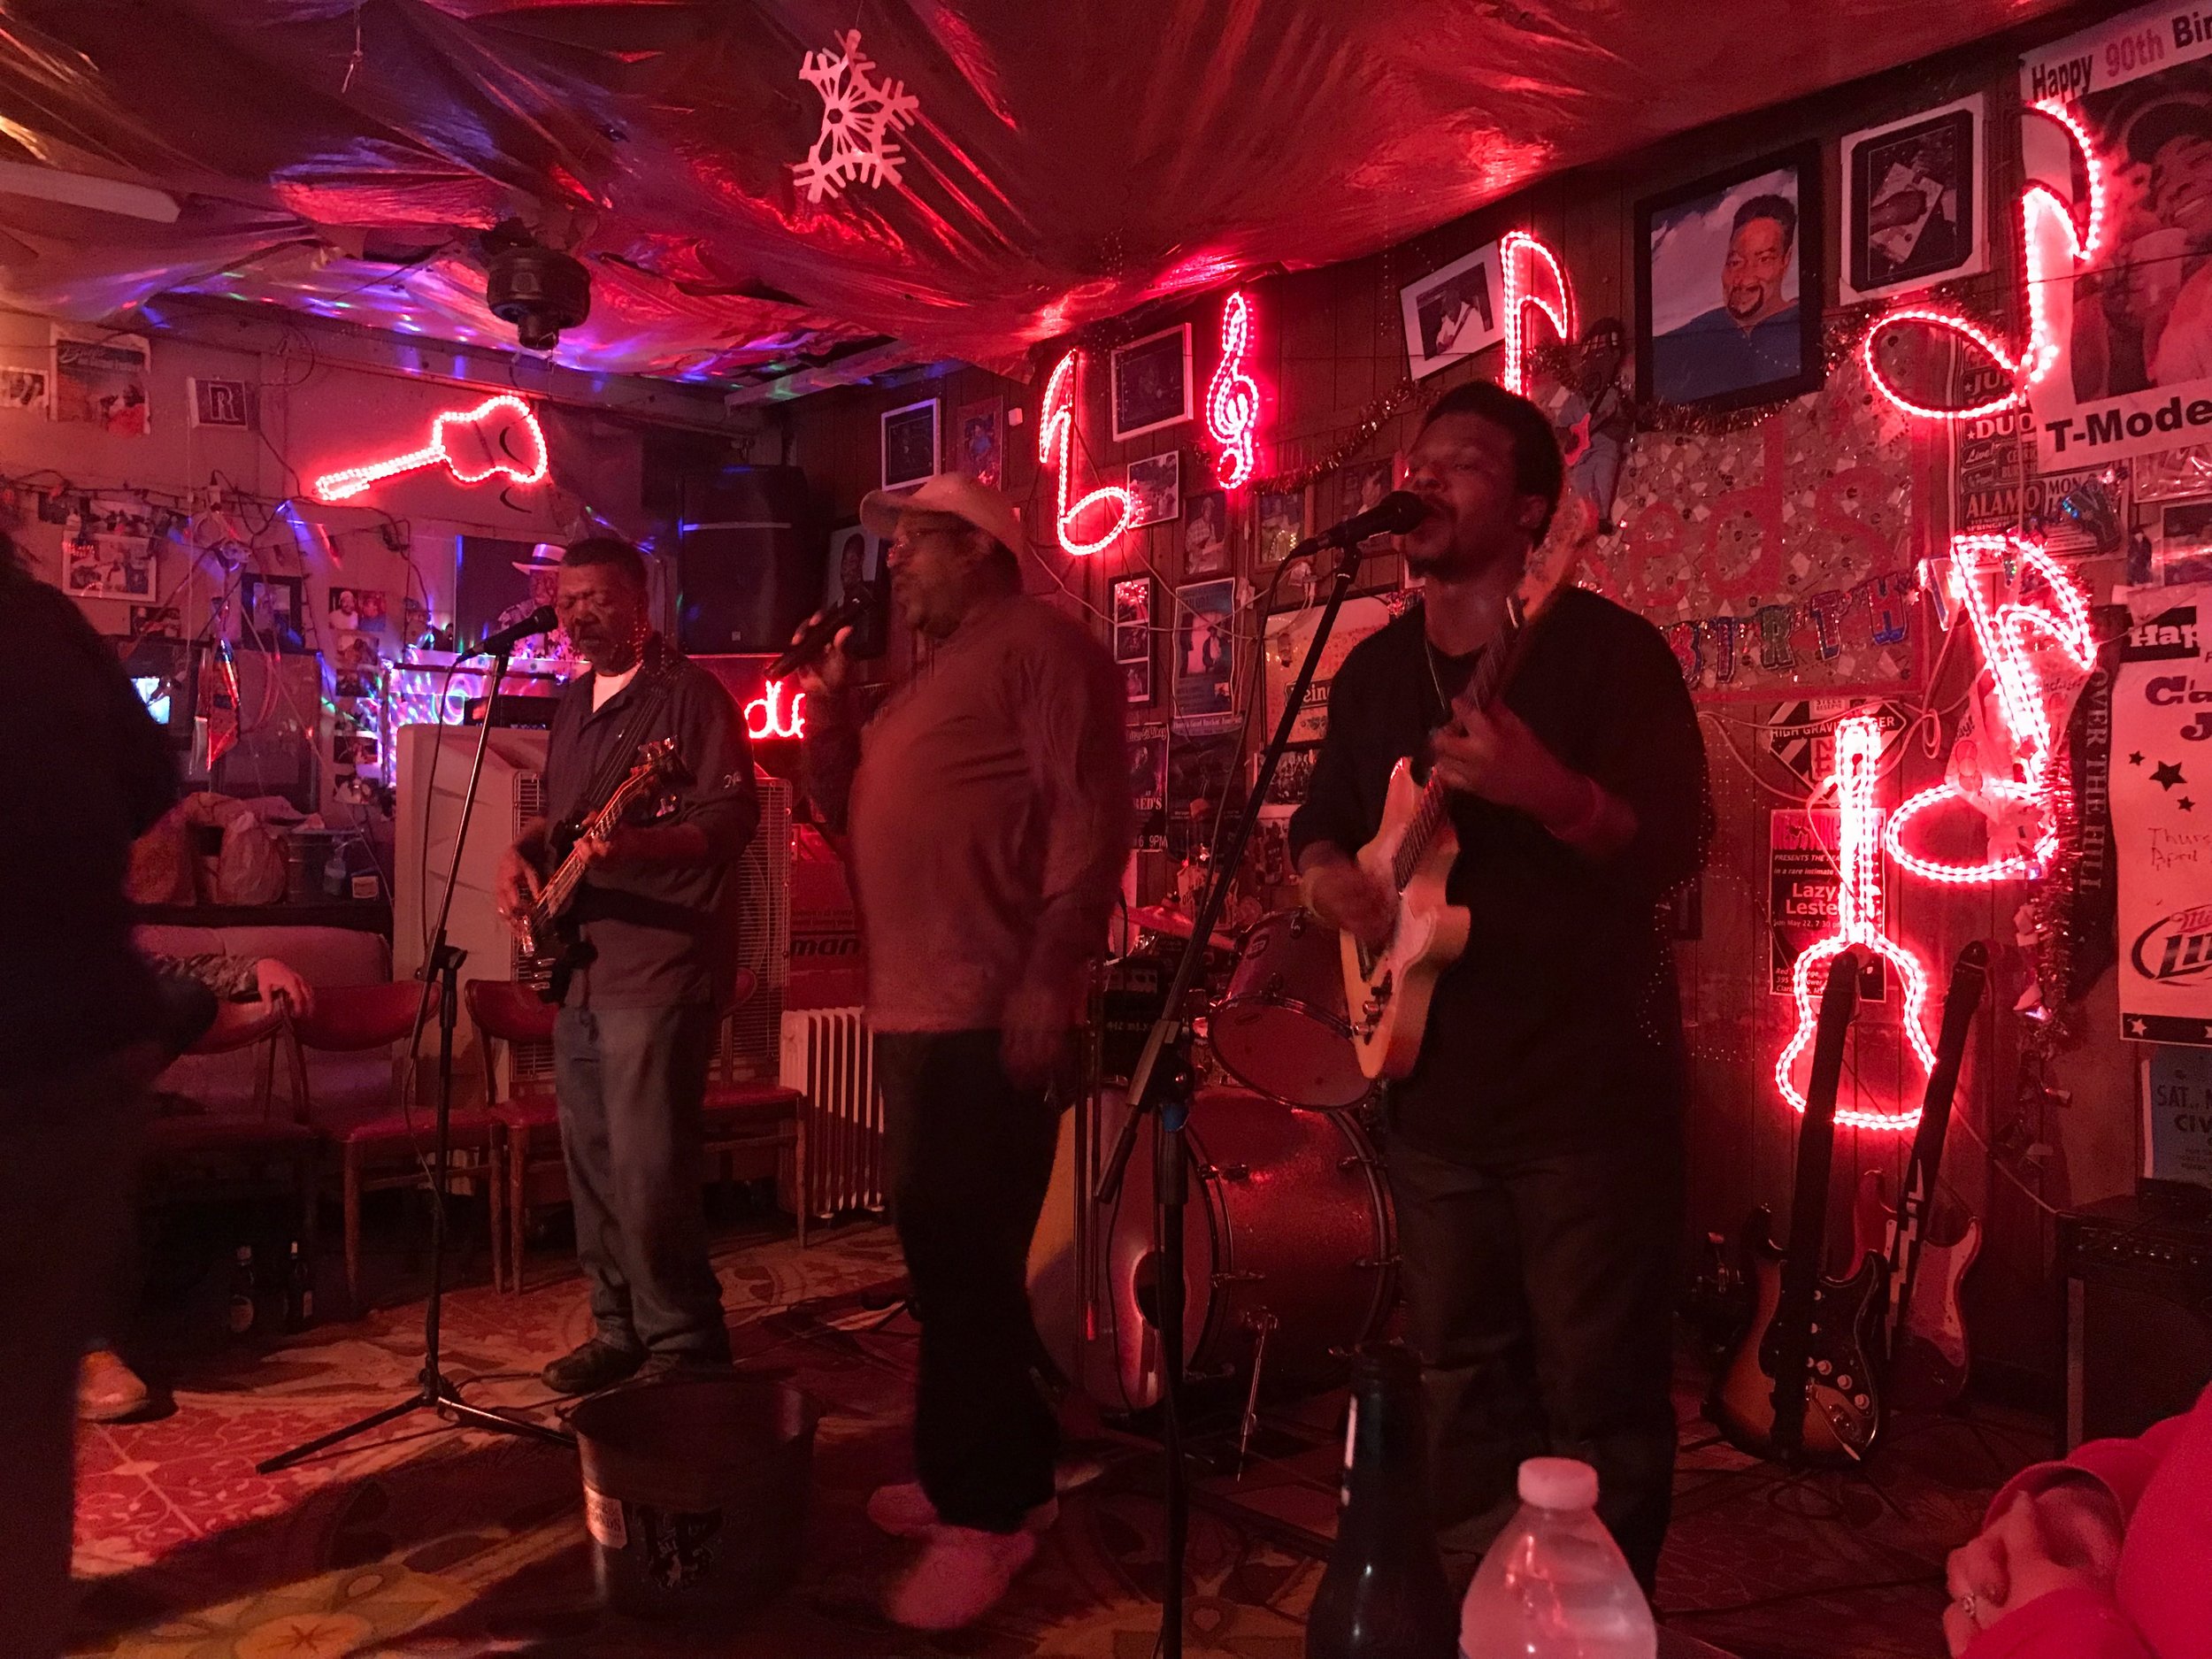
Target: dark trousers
{"x": 632, "y": 1082}
{"x": 1538, "y": 1293}
{"x": 68, "y": 1150}
{"x": 968, "y": 1156}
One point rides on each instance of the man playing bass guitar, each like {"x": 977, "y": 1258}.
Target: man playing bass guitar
{"x": 656, "y": 928}
{"x": 1534, "y": 1147}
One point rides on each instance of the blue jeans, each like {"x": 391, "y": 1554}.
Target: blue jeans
{"x": 632, "y": 1082}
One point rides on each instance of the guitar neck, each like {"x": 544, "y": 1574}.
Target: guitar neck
{"x": 1482, "y": 691}
{"x": 561, "y": 886}
{"x": 1969, "y": 978}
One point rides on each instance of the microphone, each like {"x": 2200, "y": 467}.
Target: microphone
{"x": 539, "y": 621}
{"x": 1394, "y": 514}
{"x": 815, "y": 637}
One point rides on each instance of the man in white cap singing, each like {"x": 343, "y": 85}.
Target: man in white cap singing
{"x": 987, "y": 806}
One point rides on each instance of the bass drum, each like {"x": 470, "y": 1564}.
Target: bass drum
{"x": 1282, "y": 1028}
{"x": 1290, "y": 1250}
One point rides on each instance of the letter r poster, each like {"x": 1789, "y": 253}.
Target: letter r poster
{"x": 2132, "y": 327}
{"x": 2161, "y": 826}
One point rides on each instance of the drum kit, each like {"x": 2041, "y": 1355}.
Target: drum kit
{"x": 1290, "y": 1244}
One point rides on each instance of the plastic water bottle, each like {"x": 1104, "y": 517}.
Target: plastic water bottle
{"x": 1555, "y": 1585}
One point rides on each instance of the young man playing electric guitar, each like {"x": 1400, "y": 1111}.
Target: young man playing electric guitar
{"x": 1535, "y": 1146}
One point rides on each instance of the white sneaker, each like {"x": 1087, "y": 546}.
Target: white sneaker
{"x": 961, "y": 1575}
{"x": 905, "y": 1511}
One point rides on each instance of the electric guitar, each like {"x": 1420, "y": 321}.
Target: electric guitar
{"x": 551, "y": 948}
{"x": 1924, "y": 1331}
{"x": 1387, "y": 991}
{"x": 1800, "y": 1386}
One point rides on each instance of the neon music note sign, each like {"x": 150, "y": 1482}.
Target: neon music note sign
{"x": 1055, "y": 448}
{"x": 1233, "y": 397}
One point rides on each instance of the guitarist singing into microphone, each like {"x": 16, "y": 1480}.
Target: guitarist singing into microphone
{"x": 654, "y": 932}
{"x": 1535, "y": 1146}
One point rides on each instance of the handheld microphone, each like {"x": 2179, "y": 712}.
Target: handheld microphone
{"x": 1394, "y": 514}
{"x": 539, "y": 621}
{"x": 815, "y": 637}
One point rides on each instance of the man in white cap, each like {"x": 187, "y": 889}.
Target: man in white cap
{"x": 987, "y": 807}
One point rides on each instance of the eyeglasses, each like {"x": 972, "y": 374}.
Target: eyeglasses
{"x": 903, "y": 545}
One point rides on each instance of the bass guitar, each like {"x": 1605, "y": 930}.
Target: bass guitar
{"x": 1801, "y": 1384}
{"x": 1923, "y": 1332}
{"x": 550, "y": 950}
{"x": 1388, "y": 990}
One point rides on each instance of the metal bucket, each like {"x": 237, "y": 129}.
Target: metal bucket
{"x": 695, "y": 1491}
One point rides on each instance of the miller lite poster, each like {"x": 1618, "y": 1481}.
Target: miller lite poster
{"x": 2162, "y": 825}
{"x": 2132, "y": 325}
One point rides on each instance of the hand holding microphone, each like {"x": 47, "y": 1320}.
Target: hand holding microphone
{"x": 816, "y": 655}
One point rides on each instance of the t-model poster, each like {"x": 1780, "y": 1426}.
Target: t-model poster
{"x": 2162, "y": 825}
{"x": 2134, "y": 325}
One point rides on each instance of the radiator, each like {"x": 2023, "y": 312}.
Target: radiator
{"x": 827, "y": 1056}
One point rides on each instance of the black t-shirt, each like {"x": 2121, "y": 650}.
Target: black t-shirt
{"x": 1560, "y": 1024}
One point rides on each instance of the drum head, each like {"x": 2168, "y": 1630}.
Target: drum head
{"x": 1283, "y": 1051}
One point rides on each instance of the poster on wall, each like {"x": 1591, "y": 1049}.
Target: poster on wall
{"x": 1996, "y": 485}
{"x": 2160, "y": 791}
{"x": 1778, "y": 560}
{"x": 1912, "y": 212}
{"x": 2177, "y": 1115}
{"x": 1205, "y": 656}
{"x": 24, "y": 389}
{"x": 2134, "y": 326}
{"x": 1147, "y": 786}
{"x": 1289, "y": 634}
{"x": 979, "y": 441}
{"x": 108, "y": 549}
{"x": 1802, "y": 887}
{"x": 100, "y": 380}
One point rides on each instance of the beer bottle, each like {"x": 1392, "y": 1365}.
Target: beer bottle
{"x": 1384, "y": 1596}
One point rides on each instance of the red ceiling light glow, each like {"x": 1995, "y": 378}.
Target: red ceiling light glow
{"x": 1858, "y": 922}
{"x": 768, "y": 716}
{"x": 1055, "y": 448}
{"x": 2002, "y": 632}
{"x": 1233, "y": 397}
{"x": 499, "y": 435}
{"x": 2052, "y": 246}
{"x": 1531, "y": 274}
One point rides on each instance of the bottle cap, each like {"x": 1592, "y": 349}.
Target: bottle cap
{"x": 1559, "y": 1483}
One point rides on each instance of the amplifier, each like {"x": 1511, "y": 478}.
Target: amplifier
{"x": 522, "y": 711}
{"x": 2138, "y": 1273}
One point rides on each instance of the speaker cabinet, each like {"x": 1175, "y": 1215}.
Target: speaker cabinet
{"x": 751, "y": 560}
{"x": 2138, "y": 1313}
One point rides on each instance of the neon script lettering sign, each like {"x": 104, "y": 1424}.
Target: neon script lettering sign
{"x": 1858, "y": 922}
{"x": 2003, "y": 631}
{"x": 2052, "y": 245}
{"x": 1055, "y": 448}
{"x": 1531, "y": 274}
{"x": 1233, "y": 397}
{"x": 499, "y": 435}
{"x": 768, "y": 716}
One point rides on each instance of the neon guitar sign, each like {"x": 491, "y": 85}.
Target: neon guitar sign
{"x": 499, "y": 436}
{"x": 1858, "y": 923}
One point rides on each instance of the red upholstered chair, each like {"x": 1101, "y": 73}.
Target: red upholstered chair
{"x": 227, "y": 1153}
{"x": 527, "y": 1130}
{"x": 748, "y": 1114}
{"x": 387, "y": 1145}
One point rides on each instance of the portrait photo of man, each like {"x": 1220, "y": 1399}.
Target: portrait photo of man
{"x": 1721, "y": 291}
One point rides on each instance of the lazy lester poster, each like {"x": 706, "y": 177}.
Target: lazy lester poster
{"x": 2161, "y": 825}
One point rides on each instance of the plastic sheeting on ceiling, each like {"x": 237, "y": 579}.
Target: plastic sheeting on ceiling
{"x": 1071, "y": 158}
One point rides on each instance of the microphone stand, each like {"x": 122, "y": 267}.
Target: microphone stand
{"x": 441, "y": 978}
{"x": 1162, "y": 1086}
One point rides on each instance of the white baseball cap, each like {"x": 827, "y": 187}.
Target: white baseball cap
{"x": 954, "y": 492}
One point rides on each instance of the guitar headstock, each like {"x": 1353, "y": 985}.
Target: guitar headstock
{"x": 1552, "y": 562}
{"x": 659, "y": 761}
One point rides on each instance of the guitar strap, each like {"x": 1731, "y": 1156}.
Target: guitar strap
{"x": 652, "y": 697}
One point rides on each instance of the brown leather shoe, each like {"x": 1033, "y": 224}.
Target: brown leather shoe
{"x": 597, "y": 1364}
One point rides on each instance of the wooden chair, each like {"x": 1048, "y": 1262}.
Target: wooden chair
{"x": 526, "y": 1122}
{"x": 389, "y": 1147}
{"x": 742, "y": 1114}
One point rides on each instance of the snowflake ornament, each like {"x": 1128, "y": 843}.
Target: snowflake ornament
{"x": 859, "y": 117}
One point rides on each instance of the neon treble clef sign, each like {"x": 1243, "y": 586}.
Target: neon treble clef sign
{"x": 1858, "y": 922}
{"x": 1055, "y": 448}
{"x": 1233, "y": 397}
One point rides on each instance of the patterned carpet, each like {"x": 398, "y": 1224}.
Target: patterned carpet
{"x": 426, "y": 1541}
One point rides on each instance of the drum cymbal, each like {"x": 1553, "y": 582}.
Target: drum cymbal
{"x": 1157, "y": 918}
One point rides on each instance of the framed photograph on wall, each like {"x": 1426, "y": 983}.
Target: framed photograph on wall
{"x": 219, "y": 404}
{"x": 1152, "y": 382}
{"x": 1728, "y": 285}
{"x": 273, "y": 608}
{"x": 1452, "y": 312}
{"x": 23, "y": 388}
{"x": 910, "y": 446}
{"x": 1156, "y": 484}
{"x": 1279, "y": 517}
{"x": 1132, "y": 619}
{"x": 1205, "y": 653}
{"x": 1206, "y": 534}
{"x": 1137, "y": 682}
{"x": 1912, "y": 210}
{"x": 978, "y": 437}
